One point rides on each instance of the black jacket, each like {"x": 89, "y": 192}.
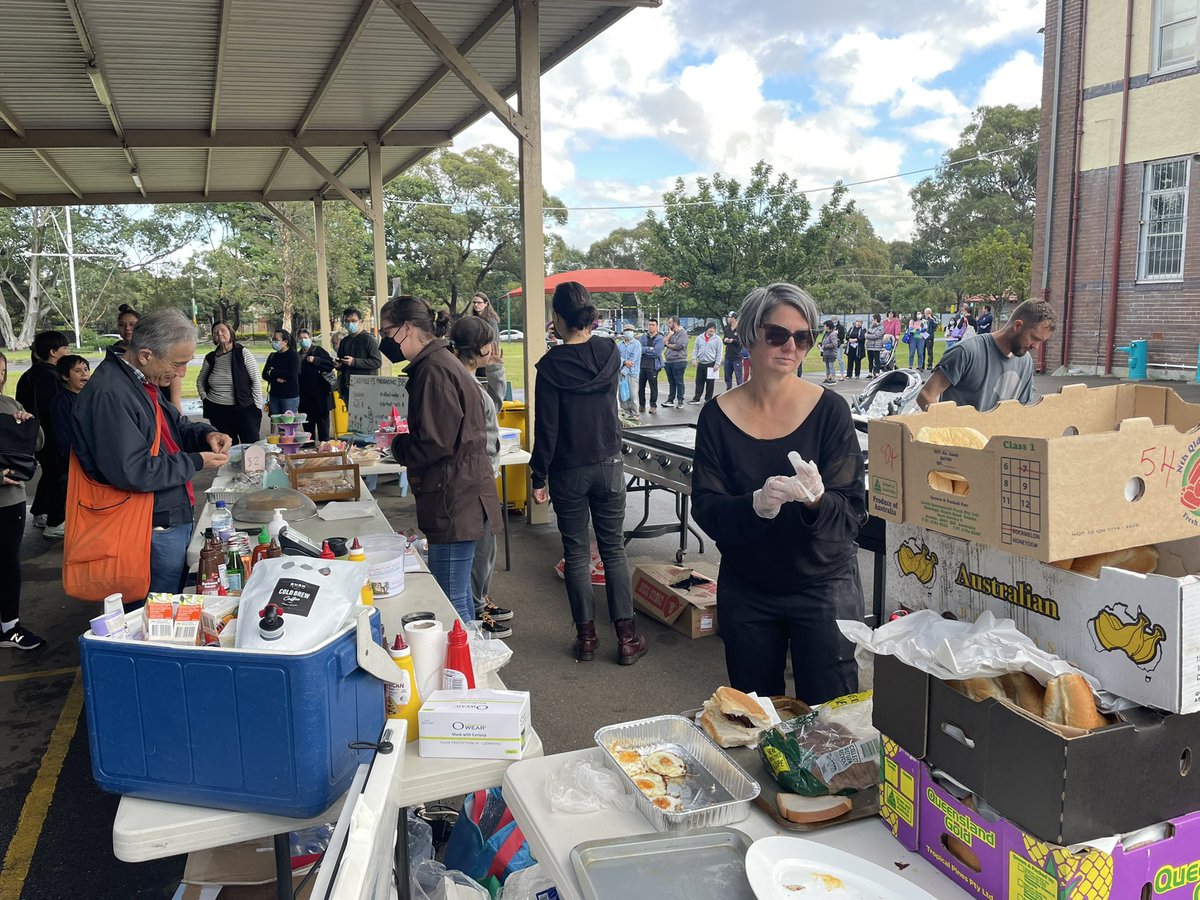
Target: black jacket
{"x": 113, "y": 427}
{"x": 367, "y": 359}
{"x": 446, "y": 449}
{"x": 576, "y": 403}
{"x": 37, "y": 388}
{"x": 243, "y": 385}
{"x": 315, "y": 391}
{"x": 282, "y": 373}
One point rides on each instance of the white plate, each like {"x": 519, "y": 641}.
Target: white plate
{"x": 788, "y": 868}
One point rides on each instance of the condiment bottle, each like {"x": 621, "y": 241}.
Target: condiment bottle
{"x": 277, "y": 524}
{"x": 458, "y": 674}
{"x": 260, "y": 549}
{"x": 403, "y": 699}
{"x": 326, "y": 553}
{"x": 357, "y": 554}
{"x": 274, "y": 551}
{"x": 270, "y": 625}
{"x": 235, "y": 572}
{"x": 208, "y": 577}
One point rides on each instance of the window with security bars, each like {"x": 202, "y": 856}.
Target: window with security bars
{"x": 1175, "y": 34}
{"x": 1164, "y": 220}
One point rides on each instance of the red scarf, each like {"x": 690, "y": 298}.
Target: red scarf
{"x": 168, "y": 439}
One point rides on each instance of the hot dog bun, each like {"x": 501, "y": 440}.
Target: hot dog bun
{"x": 1069, "y": 701}
{"x": 1134, "y": 559}
{"x": 1023, "y": 689}
{"x": 979, "y": 688}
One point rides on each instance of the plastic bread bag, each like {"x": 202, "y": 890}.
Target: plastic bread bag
{"x": 488, "y": 654}
{"x": 584, "y": 786}
{"x": 314, "y": 599}
{"x": 832, "y": 750}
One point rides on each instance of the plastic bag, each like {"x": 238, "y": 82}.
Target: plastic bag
{"x": 528, "y": 884}
{"x": 315, "y": 597}
{"x": 429, "y": 880}
{"x": 833, "y": 750}
{"x": 420, "y": 839}
{"x": 488, "y": 654}
{"x": 584, "y": 786}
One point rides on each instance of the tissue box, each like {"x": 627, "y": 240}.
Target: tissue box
{"x": 475, "y": 724}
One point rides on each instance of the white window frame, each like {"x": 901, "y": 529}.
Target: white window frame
{"x": 1156, "y": 50}
{"x": 1144, "y": 222}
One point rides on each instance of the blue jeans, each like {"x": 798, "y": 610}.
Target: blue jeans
{"x": 675, "y": 372}
{"x": 278, "y": 405}
{"x": 168, "y": 558}
{"x": 451, "y": 568}
{"x": 916, "y": 351}
{"x": 733, "y": 369}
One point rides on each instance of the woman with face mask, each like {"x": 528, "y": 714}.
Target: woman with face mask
{"x": 631, "y": 367}
{"x": 230, "y": 394}
{"x": 316, "y": 384}
{"x": 282, "y": 375}
{"x": 445, "y": 448}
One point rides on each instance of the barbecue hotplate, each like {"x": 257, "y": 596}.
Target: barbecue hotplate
{"x": 674, "y": 438}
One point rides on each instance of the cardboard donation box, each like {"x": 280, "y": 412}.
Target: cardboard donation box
{"x": 1084, "y": 471}
{"x": 243, "y": 871}
{"x": 677, "y": 596}
{"x": 990, "y": 857}
{"x": 1059, "y": 785}
{"x": 1138, "y": 634}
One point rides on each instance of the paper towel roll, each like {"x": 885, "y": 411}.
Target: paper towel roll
{"x": 427, "y": 638}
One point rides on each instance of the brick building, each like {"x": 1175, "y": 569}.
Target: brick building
{"x": 1119, "y": 179}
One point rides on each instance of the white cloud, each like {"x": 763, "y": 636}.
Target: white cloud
{"x": 1018, "y": 81}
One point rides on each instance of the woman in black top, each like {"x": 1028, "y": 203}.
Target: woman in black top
{"x": 856, "y": 349}
{"x": 577, "y": 446}
{"x": 316, "y": 384}
{"x": 231, "y": 395}
{"x": 36, "y": 390}
{"x": 74, "y": 372}
{"x": 282, "y": 375}
{"x": 786, "y": 532}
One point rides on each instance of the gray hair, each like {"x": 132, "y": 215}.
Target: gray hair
{"x": 759, "y": 303}
{"x": 161, "y": 330}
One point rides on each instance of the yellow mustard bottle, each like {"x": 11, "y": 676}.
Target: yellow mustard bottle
{"x": 403, "y": 699}
{"x": 357, "y": 554}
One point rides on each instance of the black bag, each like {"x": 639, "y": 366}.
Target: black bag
{"x": 18, "y": 447}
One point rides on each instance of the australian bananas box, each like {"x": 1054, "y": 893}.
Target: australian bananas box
{"x": 1138, "y": 634}
{"x": 990, "y": 857}
{"x": 1083, "y": 471}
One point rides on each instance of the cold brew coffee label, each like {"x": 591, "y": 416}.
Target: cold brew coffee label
{"x": 293, "y": 596}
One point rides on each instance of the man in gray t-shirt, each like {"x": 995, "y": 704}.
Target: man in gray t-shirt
{"x": 987, "y": 368}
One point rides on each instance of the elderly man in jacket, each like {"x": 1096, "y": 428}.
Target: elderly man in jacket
{"x": 124, "y": 406}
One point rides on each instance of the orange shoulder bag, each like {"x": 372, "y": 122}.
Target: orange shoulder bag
{"x": 106, "y": 548}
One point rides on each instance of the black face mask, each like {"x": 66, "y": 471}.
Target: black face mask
{"x": 389, "y": 348}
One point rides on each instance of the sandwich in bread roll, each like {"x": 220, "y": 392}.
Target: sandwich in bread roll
{"x": 1133, "y": 559}
{"x": 733, "y": 719}
{"x": 1069, "y": 701}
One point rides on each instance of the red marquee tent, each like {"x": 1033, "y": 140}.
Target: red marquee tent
{"x": 617, "y": 281}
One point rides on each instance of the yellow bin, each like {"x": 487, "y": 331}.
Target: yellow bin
{"x": 341, "y": 415}
{"x": 513, "y": 416}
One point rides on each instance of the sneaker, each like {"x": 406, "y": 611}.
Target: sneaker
{"x": 654, "y": 410}
{"x": 39, "y": 521}
{"x": 493, "y": 628}
{"x": 21, "y": 638}
{"x": 694, "y": 402}
{"x": 499, "y": 613}
{"x": 54, "y": 532}
{"x": 679, "y": 405}
{"x": 641, "y": 409}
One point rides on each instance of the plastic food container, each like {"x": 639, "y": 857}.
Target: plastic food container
{"x": 720, "y": 792}
{"x": 385, "y": 559}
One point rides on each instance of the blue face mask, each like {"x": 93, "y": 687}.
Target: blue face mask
{"x": 305, "y": 343}
{"x": 352, "y": 327}
{"x": 276, "y": 345}
{"x": 629, "y": 335}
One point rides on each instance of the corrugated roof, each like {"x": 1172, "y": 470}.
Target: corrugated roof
{"x": 332, "y": 75}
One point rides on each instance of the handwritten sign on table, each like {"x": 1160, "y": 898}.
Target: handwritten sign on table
{"x": 372, "y": 398}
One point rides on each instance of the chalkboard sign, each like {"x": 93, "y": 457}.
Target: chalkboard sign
{"x": 372, "y": 398}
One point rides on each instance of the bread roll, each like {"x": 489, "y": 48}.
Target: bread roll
{"x": 1069, "y": 701}
{"x": 952, "y": 436}
{"x": 960, "y": 851}
{"x": 1134, "y": 559}
{"x": 979, "y": 688}
{"x": 949, "y": 483}
{"x": 733, "y": 719}
{"x": 1025, "y": 691}
{"x": 808, "y": 810}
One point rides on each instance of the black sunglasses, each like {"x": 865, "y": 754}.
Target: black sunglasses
{"x": 778, "y": 336}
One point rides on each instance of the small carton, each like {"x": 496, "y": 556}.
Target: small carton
{"x": 188, "y": 613}
{"x": 474, "y": 724}
{"x": 677, "y": 596}
{"x": 160, "y": 618}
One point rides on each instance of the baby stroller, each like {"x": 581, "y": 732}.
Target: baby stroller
{"x": 887, "y": 354}
{"x": 888, "y": 394}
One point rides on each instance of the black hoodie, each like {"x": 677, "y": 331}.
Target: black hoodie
{"x": 576, "y": 407}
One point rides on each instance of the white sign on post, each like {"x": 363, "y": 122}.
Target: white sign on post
{"x": 372, "y": 398}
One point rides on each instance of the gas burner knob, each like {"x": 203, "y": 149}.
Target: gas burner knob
{"x": 685, "y": 468}
{"x": 664, "y": 461}
{"x": 644, "y": 455}
{"x": 626, "y": 449}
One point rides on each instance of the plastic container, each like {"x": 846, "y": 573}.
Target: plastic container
{"x": 222, "y": 521}
{"x": 385, "y": 557}
{"x": 264, "y": 732}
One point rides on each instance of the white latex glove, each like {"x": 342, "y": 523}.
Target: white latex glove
{"x": 769, "y": 499}
{"x": 807, "y": 480}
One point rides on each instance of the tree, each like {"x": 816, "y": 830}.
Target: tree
{"x": 988, "y": 181}
{"x": 998, "y": 266}
{"x": 623, "y": 248}
{"x": 718, "y": 243}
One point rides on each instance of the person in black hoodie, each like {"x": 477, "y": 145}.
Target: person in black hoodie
{"x": 577, "y": 447}
{"x": 316, "y": 384}
{"x": 36, "y": 390}
{"x": 282, "y": 374}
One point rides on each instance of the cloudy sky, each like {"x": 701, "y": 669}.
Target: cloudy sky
{"x": 821, "y": 89}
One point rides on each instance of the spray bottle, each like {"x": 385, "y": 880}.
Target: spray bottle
{"x": 403, "y": 699}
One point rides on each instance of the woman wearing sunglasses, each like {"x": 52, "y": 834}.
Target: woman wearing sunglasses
{"x": 778, "y": 484}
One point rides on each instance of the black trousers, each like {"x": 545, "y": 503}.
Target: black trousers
{"x": 929, "y": 352}
{"x": 51, "y": 497}
{"x": 704, "y": 384}
{"x": 647, "y": 376}
{"x": 873, "y": 360}
{"x": 853, "y": 366}
{"x": 759, "y": 629}
{"x": 12, "y": 529}
{"x": 242, "y": 423}
{"x": 318, "y": 417}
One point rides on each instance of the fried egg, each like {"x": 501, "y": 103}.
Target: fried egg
{"x": 668, "y": 804}
{"x": 666, "y": 763}
{"x": 650, "y": 785}
{"x": 630, "y": 761}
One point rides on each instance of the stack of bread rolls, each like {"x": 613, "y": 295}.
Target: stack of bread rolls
{"x": 1065, "y": 700}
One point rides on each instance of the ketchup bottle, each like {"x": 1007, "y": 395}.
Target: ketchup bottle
{"x": 458, "y": 674}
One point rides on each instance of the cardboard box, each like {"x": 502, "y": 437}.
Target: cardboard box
{"x": 1002, "y": 862}
{"x": 244, "y": 871}
{"x": 900, "y": 780}
{"x": 677, "y": 596}
{"x": 1138, "y": 634}
{"x": 1062, "y": 789}
{"x": 475, "y": 724}
{"x": 1083, "y": 471}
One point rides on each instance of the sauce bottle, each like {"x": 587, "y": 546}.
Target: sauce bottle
{"x": 403, "y": 699}
{"x": 326, "y": 553}
{"x": 458, "y": 674}
{"x": 274, "y": 551}
{"x": 260, "y": 549}
{"x": 357, "y": 554}
{"x": 208, "y": 577}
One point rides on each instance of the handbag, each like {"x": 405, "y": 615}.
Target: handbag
{"x": 106, "y": 549}
{"x": 486, "y": 841}
{"x": 907, "y": 337}
{"x": 18, "y": 447}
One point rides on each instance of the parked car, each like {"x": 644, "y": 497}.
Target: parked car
{"x": 602, "y": 331}
{"x": 511, "y": 334}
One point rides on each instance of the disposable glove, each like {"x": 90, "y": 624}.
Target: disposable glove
{"x": 769, "y": 499}
{"x": 807, "y": 481}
